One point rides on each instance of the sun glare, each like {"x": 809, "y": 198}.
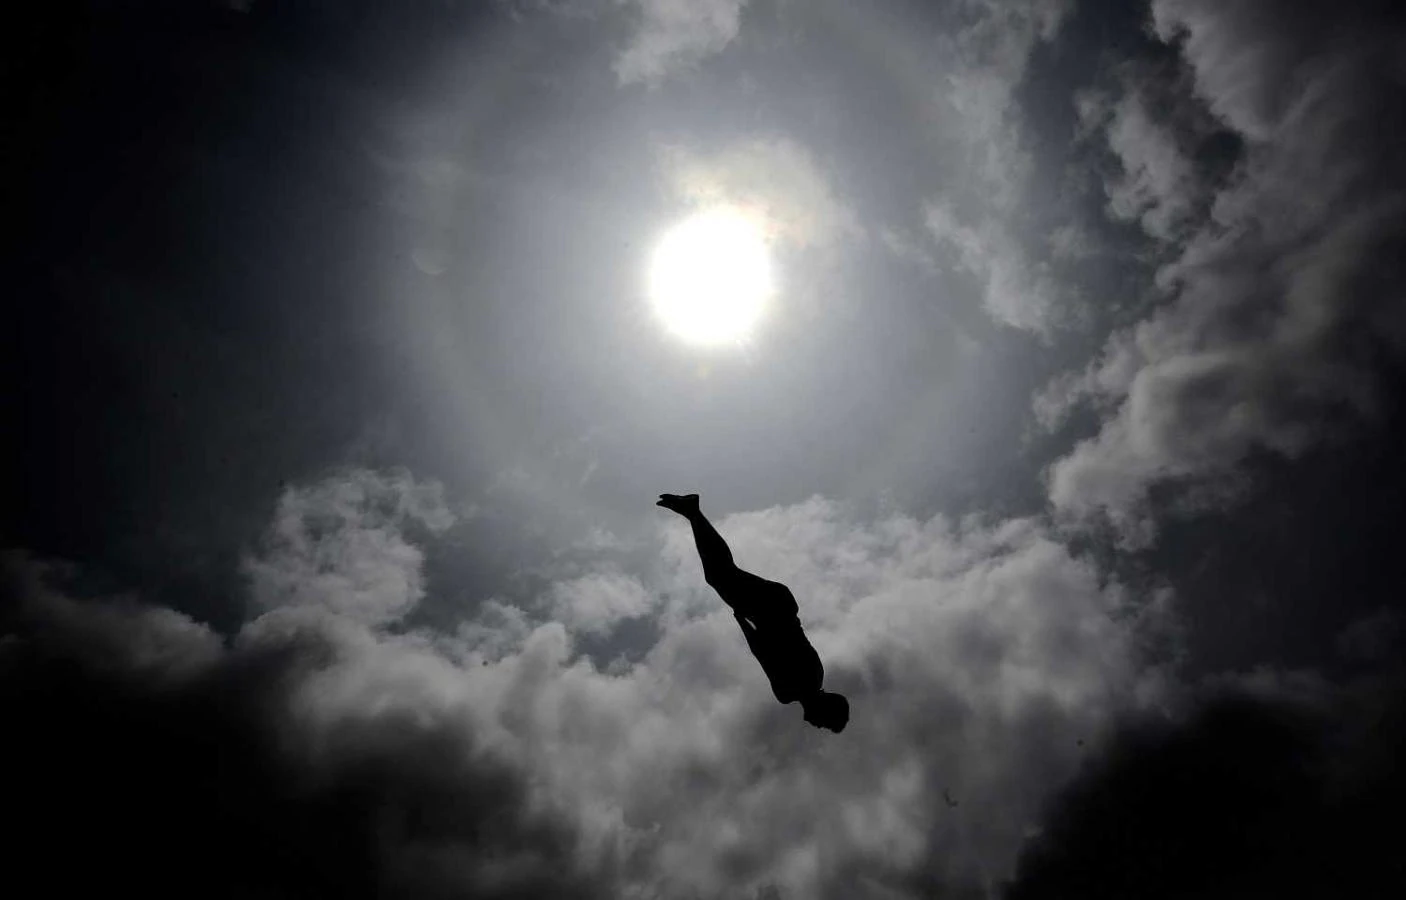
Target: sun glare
{"x": 710, "y": 276}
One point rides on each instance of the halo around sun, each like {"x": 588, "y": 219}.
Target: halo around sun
{"x": 710, "y": 276}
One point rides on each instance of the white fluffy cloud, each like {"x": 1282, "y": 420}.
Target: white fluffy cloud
{"x": 975, "y": 657}
{"x": 596, "y": 602}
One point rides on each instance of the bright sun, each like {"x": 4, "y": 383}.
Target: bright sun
{"x": 710, "y": 276}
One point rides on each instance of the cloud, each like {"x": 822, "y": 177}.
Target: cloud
{"x": 991, "y": 48}
{"x": 339, "y": 546}
{"x": 1158, "y": 184}
{"x": 674, "y": 34}
{"x": 974, "y": 657}
{"x": 1072, "y": 242}
{"x": 595, "y": 603}
{"x": 1282, "y": 296}
{"x": 1015, "y": 291}
{"x": 900, "y": 609}
{"x": 776, "y": 178}
{"x": 908, "y": 248}
{"x": 1249, "y": 57}
{"x": 333, "y": 753}
{"x": 1271, "y": 785}
{"x": 981, "y": 218}
{"x": 181, "y": 764}
{"x": 1158, "y": 187}
{"x": 1372, "y": 638}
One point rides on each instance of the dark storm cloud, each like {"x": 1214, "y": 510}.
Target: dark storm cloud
{"x": 1284, "y": 296}
{"x": 1279, "y": 787}
{"x": 141, "y": 754}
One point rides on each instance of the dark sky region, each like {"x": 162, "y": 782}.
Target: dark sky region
{"x": 336, "y": 406}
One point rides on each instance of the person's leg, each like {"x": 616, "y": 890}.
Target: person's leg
{"x": 719, "y": 568}
{"x": 734, "y": 585}
{"x": 718, "y": 565}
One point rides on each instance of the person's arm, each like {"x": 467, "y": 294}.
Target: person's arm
{"x": 749, "y": 631}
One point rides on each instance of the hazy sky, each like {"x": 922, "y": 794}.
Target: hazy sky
{"x": 336, "y": 410}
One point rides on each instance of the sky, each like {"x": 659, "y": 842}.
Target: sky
{"x": 336, "y": 409}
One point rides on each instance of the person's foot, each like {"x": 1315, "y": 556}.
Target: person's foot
{"x": 683, "y": 504}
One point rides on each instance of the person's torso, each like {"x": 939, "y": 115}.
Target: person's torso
{"x": 790, "y": 662}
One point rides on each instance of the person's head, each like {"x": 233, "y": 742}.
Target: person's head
{"x": 826, "y": 710}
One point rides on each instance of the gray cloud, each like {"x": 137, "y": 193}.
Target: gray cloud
{"x": 674, "y": 34}
{"x": 597, "y": 602}
{"x": 118, "y": 635}
{"x": 976, "y": 656}
{"x": 647, "y": 757}
{"x": 1282, "y": 295}
{"x": 989, "y": 647}
{"x": 1372, "y": 638}
{"x": 1072, "y": 242}
{"x": 336, "y": 744}
{"x": 1158, "y": 184}
{"x": 1015, "y": 290}
{"x": 177, "y": 759}
{"x": 980, "y": 221}
{"x": 339, "y": 545}
{"x": 1265, "y": 784}
{"x": 1248, "y": 56}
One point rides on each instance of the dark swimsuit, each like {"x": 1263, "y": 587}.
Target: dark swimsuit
{"x": 779, "y": 643}
{"x": 790, "y": 662}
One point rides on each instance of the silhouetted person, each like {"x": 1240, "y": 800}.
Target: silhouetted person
{"x": 767, "y": 613}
